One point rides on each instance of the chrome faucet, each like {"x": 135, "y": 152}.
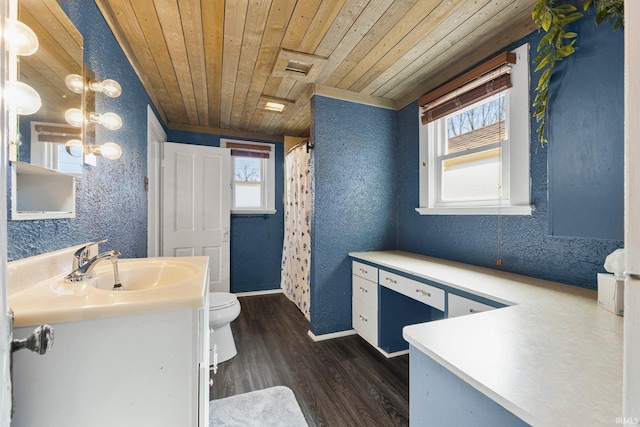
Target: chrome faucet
{"x": 85, "y": 269}
{"x": 81, "y": 256}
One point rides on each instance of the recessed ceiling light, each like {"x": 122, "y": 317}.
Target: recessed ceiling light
{"x": 274, "y": 106}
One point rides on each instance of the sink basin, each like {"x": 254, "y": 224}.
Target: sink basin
{"x": 143, "y": 274}
{"x": 39, "y": 293}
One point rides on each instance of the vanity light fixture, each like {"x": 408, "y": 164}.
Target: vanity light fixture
{"x": 108, "y": 150}
{"x": 22, "y": 98}
{"x": 75, "y": 117}
{"x": 111, "y": 121}
{"x": 21, "y": 40}
{"x": 109, "y": 87}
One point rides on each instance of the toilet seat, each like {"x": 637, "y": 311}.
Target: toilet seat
{"x": 221, "y": 300}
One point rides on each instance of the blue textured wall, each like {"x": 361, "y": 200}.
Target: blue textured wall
{"x": 588, "y": 123}
{"x": 256, "y": 240}
{"x": 110, "y": 199}
{"x": 527, "y": 244}
{"x": 354, "y": 200}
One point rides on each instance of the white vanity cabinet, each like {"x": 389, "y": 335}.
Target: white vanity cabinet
{"x": 140, "y": 370}
{"x": 384, "y": 302}
{"x": 364, "y": 315}
{"x": 393, "y": 292}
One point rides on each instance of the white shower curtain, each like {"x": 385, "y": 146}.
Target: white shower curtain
{"x": 296, "y": 250}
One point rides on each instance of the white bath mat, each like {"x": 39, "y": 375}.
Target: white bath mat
{"x": 275, "y": 406}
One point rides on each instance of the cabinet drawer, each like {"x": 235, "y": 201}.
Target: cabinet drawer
{"x": 365, "y": 321}
{"x": 419, "y": 291}
{"x": 365, "y": 291}
{"x": 460, "y": 306}
{"x": 366, "y": 271}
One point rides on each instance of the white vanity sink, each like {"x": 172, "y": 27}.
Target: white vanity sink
{"x": 39, "y": 292}
{"x": 124, "y": 358}
{"x": 144, "y": 274}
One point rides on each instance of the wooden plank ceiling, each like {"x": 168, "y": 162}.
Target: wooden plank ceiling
{"x": 209, "y": 64}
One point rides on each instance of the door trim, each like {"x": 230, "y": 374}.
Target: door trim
{"x": 155, "y": 137}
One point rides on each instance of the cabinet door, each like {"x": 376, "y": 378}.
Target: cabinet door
{"x": 365, "y": 271}
{"x": 460, "y": 306}
{"x": 418, "y": 291}
{"x": 365, "y": 291}
{"x": 365, "y": 321}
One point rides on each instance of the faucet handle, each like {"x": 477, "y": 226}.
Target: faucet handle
{"x": 81, "y": 255}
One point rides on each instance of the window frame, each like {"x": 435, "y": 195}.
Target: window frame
{"x": 267, "y": 193}
{"x": 516, "y": 191}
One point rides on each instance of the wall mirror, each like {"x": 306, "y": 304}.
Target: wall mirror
{"x": 43, "y": 135}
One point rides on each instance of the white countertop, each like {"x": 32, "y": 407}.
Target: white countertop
{"x": 37, "y": 292}
{"x": 553, "y": 358}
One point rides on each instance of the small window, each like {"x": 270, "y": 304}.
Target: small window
{"x": 474, "y": 145}
{"x": 253, "y": 176}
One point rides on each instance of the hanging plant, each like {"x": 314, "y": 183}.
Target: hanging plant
{"x": 558, "y": 44}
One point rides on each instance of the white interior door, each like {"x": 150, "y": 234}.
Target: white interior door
{"x": 196, "y": 196}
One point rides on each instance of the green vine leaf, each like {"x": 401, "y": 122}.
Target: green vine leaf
{"x": 558, "y": 44}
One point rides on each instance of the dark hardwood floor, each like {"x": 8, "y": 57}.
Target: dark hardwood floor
{"x": 339, "y": 382}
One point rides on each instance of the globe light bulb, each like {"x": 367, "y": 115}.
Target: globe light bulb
{"x": 21, "y": 40}
{"x": 22, "y": 98}
{"x": 74, "y": 147}
{"x": 111, "y": 151}
{"x": 74, "y": 117}
{"x": 111, "y": 121}
{"x": 75, "y": 83}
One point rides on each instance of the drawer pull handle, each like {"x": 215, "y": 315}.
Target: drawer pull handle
{"x": 471, "y": 310}
{"x": 362, "y": 270}
{"x": 364, "y": 319}
{"x": 390, "y": 280}
{"x": 363, "y": 289}
{"x": 421, "y": 292}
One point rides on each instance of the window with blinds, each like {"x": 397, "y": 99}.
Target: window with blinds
{"x": 253, "y": 176}
{"x": 474, "y": 140}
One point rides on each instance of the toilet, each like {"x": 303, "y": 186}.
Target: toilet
{"x": 224, "y": 308}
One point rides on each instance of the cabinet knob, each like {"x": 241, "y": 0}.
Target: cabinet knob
{"x": 471, "y": 310}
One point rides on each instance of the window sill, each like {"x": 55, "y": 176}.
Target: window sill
{"x": 253, "y": 212}
{"x": 478, "y": 210}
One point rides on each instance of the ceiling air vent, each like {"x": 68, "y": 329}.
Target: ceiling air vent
{"x": 298, "y": 67}
{"x": 304, "y": 67}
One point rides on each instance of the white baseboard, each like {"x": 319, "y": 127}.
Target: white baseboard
{"x": 331, "y": 336}
{"x": 255, "y": 293}
{"x": 391, "y": 355}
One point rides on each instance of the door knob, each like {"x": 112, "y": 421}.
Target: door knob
{"x": 40, "y": 341}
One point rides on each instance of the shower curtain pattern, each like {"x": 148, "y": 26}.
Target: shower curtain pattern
{"x": 296, "y": 250}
